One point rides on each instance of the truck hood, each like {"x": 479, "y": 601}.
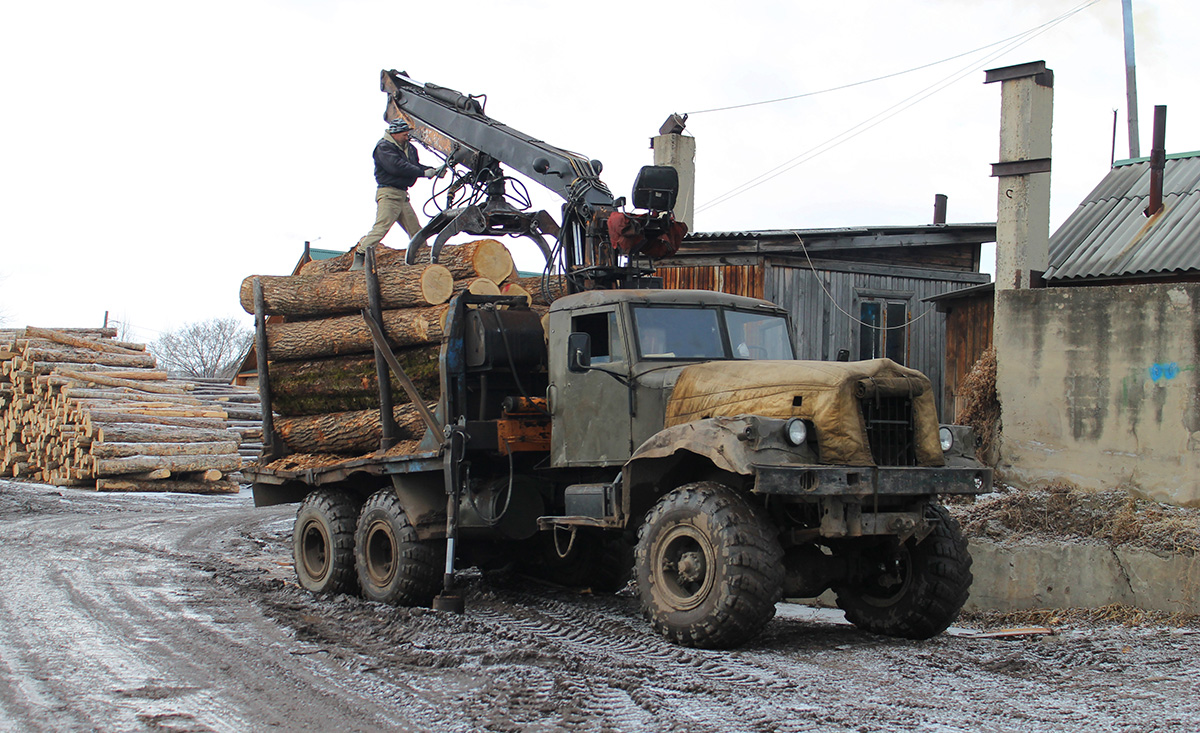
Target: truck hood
{"x": 823, "y": 392}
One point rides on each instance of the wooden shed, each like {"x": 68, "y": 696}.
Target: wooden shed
{"x": 854, "y": 293}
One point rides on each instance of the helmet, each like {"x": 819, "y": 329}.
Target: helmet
{"x": 397, "y": 126}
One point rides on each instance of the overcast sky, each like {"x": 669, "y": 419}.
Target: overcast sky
{"x": 153, "y": 154}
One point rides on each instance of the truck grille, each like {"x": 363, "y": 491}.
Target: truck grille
{"x": 889, "y": 424}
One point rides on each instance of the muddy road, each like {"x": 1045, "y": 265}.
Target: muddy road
{"x": 178, "y": 613}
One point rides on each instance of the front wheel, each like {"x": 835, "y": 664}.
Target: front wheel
{"x": 393, "y": 565}
{"x": 916, "y": 589}
{"x": 709, "y": 567}
{"x": 323, "y": 542}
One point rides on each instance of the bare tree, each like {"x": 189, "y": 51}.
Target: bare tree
{"x": 212, "y": 348}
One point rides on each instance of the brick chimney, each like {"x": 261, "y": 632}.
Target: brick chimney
{"x": 1023, "y": 201}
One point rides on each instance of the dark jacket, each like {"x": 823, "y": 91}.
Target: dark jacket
{"x": 395, "y": 166}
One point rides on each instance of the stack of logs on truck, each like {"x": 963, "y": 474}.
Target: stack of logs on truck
{"x": 321, "y": 366}
{"x": 78, "y": 408}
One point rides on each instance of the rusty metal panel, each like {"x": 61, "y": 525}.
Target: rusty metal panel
{"x": 744, "y": 280}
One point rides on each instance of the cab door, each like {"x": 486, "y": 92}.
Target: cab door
{"x": 590, "y": 410}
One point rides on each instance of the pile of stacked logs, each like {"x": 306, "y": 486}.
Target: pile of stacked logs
{"x": 78, "y": 408}
{"x": 320, "y": 357}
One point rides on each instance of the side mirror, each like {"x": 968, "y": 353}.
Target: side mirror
{"x": 579, "y": 352}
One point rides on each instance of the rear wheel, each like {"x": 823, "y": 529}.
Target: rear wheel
{"x": 323, "y": 542}
{"x": 709, "y": 567}
{"x": 916, "y": 589}
{"x": 393, "y": 565}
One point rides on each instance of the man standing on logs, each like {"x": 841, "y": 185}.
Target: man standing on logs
{"x": 396, "y": 169}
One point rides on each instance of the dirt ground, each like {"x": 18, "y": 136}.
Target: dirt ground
{"x": 179, "y": 613}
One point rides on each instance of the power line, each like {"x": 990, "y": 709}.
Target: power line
{"x": 894, "y": 74}
{"x": 852, "y": 132}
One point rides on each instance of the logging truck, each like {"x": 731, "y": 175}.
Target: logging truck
{"x": 668, "y": 437}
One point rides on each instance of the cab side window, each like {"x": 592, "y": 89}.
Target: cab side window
{"x": 606, "y": 338}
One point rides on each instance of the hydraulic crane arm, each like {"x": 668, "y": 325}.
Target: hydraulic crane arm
{"x": 456, "y": 125}
{"x": 461, "y": 119}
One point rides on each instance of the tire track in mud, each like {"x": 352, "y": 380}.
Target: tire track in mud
{"x": 100, "y": 631}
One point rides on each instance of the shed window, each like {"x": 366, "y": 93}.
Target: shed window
{"x": 883, "y": 331}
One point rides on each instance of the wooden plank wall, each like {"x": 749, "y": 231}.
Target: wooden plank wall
{"x": 968, "y": 335}
{"x": 825, "y": 318}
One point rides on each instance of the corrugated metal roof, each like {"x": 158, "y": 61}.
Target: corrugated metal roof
{"x": 1108, "y": 236}
{"x": 836, "y": 231}
{"x": 324, "y": 254}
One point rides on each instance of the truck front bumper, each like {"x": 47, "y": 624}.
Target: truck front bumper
{"x": 870, "y": 480}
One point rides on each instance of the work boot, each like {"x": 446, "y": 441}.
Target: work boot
{"x": 360, "y": 260}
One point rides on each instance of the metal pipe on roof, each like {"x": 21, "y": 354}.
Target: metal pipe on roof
{"x": 1135, "y": 148}
{"x": 1158, "y": 160}
{"x": 939, "y": 208}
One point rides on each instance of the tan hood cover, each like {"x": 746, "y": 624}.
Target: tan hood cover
{"x": 829, "y": 392}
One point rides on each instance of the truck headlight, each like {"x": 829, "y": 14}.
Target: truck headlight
{"x": 946, "y": 437}
{"x": 795, "y": 431}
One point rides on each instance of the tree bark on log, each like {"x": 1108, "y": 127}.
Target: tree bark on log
{"x": 477, "y": 286}
{"x": 67, "y": 339}
{"x": 122, "y": 395}
{"x": 86, "y": 356}
{"x": 555, "y": 287}
{"x": 348, "y": 383}
{"x": 90, "y": 417}
{"x": 350, "y": 335}
{"x": 147, "y": 433}
{"x": 67, "y": 376}
{"x": 347, "y": 433}
{"x": 346, "y": 292}
{"x": 172, "y": 486}
{"x": 174, "y": 464}
{"x": 126, "y": 450}
{"x": 481, "y": 258}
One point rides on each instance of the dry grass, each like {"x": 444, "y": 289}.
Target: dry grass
{"x": 981, "y": 409}
{"x": 1065, "y": 512}
{"x": 1060, "y": 617}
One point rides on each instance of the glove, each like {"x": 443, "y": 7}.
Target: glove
{"x": 430, "y": 172}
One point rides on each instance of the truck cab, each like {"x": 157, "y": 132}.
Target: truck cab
{"x": 615, "y": 356}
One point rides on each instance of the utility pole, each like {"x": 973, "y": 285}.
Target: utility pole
{"x": 1135, "y": 150}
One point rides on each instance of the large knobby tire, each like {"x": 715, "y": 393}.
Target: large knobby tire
{"x": 922, "y": 589}
{"x": 323, "y": 542}
{"x": 394, "y": 566}
{"x": 709, "y": 567}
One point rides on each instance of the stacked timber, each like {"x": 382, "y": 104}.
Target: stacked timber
{"x": 242, "y": 408}
{"x": 320, "y": 358}
{"x": 84, "y": 410}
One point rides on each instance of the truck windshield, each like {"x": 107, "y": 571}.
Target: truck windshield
{"x": 695, "y": 333}
{"x": 678, "y": 333}
{"x": 758, "y": 336}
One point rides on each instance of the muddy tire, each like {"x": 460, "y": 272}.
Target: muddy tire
{"x": 323, "y": 542}
{"x": 393, "y": 565}
{"x": 922, "y": 589}
{"x": 709, "y": 567}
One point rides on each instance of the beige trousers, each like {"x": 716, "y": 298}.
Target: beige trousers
{"x": 391, "y": 207}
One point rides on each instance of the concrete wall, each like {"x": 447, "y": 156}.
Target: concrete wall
{"x": 1098, "y": 387}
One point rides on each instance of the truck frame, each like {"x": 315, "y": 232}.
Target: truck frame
{"x": 667, "y": 437}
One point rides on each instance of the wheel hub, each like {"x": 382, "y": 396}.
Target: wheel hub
{"x": 683, "y": 569}
{"x": 691, "y": 567}
{"x": 380, "y": 553}
{"x": 315, "y": 550}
